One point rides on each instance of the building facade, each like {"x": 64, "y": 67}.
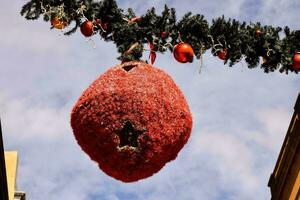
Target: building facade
{"x": 284, "y": 182}
{"x": 8, "y": 174}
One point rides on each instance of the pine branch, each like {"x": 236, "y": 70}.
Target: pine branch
{"x": 240, "y": 40}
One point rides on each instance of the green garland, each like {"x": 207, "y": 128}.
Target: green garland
{"x": 249, "y": 41}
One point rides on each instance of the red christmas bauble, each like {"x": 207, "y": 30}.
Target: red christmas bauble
{"x": 296, "y": 62}
{"x": 222, "y": 54}
{"x": 103, "y": 25}
{"x": 87, "y": 28}
{"x": 98, "y": 21}
{"x": 132, "y": 120}
{"x": 258, "y": 32}
{"x": 183, "y": 52}
{"x": 164, "y": 35}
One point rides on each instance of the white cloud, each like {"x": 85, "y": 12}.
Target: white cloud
{"x": 24, "y": 35}
{"x": 211, "y": 9}
{"x": 140, "y": 7}
{"x": 233, "y": 158}
{"x": 280, "y": 13}
{"x": 25, "y": 121}
{"x": 275, "y": 124}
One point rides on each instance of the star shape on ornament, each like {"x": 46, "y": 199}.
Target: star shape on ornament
{"x": 128, "y": 135}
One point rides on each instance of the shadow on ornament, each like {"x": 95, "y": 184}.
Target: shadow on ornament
{"x": 127, "y": 68}
{"x": 128, "y": 135}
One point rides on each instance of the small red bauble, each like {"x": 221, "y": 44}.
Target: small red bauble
{"x": 183, "y": 52}
{"x": 132, "y": 120}
{"x": 163, "y": 35}
{"x": 103, "y": 25}
{"x": 222, "y": 54}
{"x": 87, "y": 28}
{"x": 296, "y": 61}
{"x": 98, "y": 21}
{"x": 258, "y": 32}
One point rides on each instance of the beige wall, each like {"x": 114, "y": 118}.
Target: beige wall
{"x": 11, "y": 164}
{"x": 285, "y": 179}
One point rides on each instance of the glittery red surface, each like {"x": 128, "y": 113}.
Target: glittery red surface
{"x": 151, "y": 101}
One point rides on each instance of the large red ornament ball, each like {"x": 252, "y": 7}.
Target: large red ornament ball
{"x": 183, "y": 52}
{"x": 87, "y": 28}
{"x": 296, "y": 62}
{"x": 132, "y": 120}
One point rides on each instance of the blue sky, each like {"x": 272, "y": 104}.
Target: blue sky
{"x": 240, "y": 115}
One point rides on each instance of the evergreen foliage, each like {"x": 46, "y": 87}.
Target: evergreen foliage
{"x": 241, "y": 40}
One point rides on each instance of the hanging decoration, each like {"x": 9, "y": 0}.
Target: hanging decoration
{"x": 152, "y": 54}
{"x": 87, "y": 28}
{"x": 58, "y": 23}
{"x": 258, "y": 32}
{"x": 296, "y": 61}
{"x": 164, "y": 35}
{"x": 222, "y": 54}
{"x": 244, "y": 41}
{"x": 132, "y": 120}
{"x": 183, "y": 52}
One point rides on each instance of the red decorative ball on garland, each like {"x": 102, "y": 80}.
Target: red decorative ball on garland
{"x": 104, "y": 26}
{"x": 87, "y": 28}
{"x": 164, "y": 35}
{"x": 132, "y": 120}
{"x": 296, "y": 61}
{"x": 258, "y": 32}
{"x": 222, "y": 54}
{"x": 98, "y": 21}
{"x": 183, "y": 52}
